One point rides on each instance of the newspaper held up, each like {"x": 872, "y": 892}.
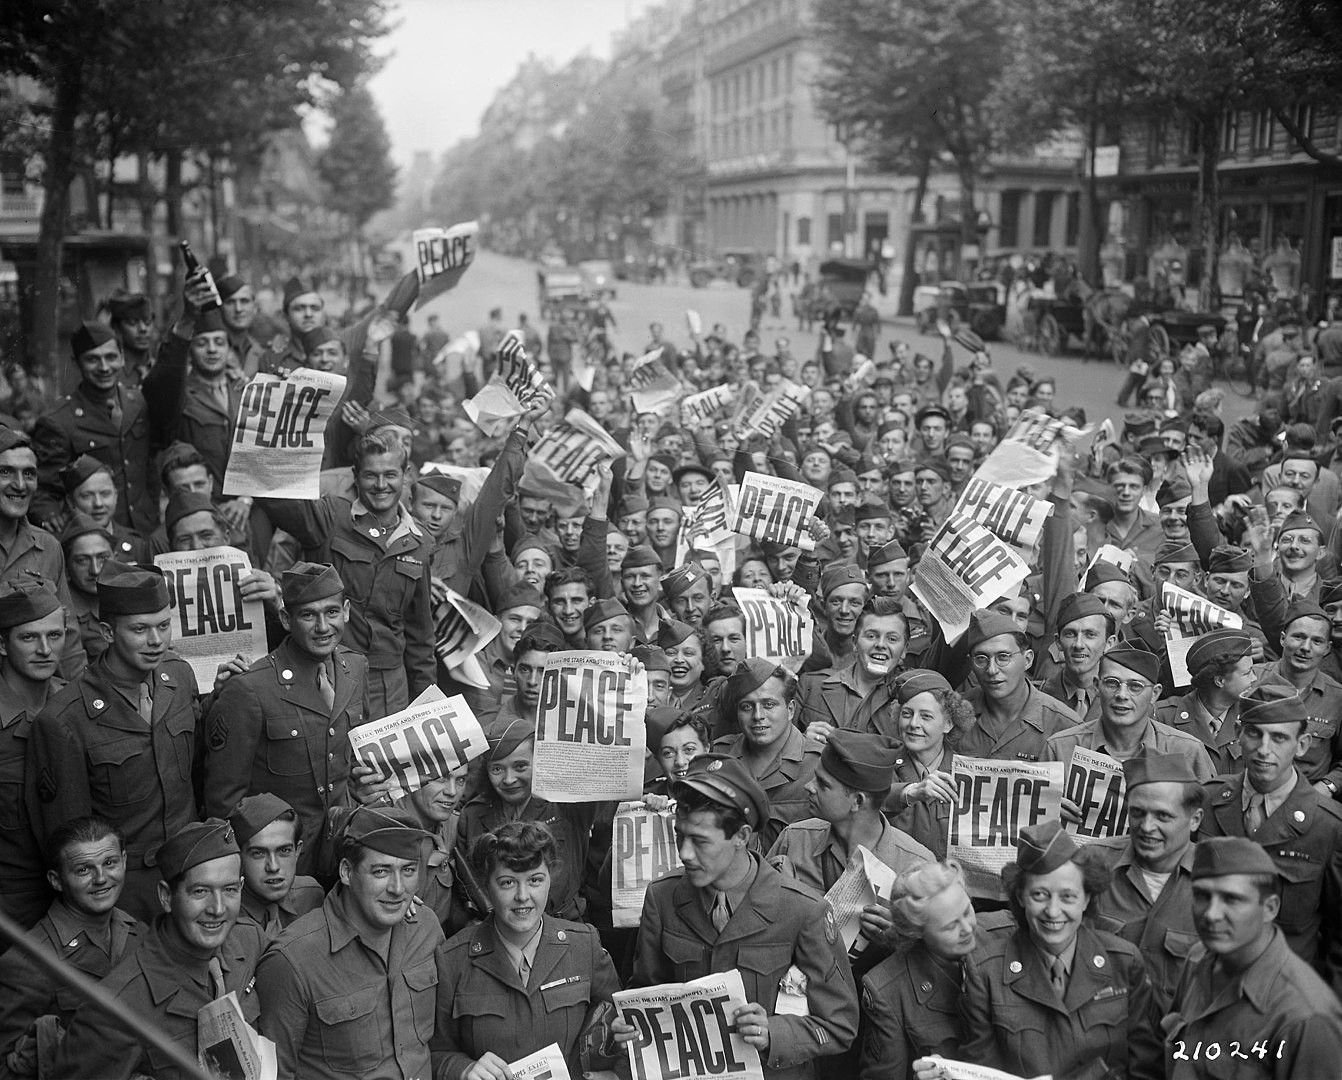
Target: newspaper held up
{"x": 424, "y": 742}
{"x": 510, "y": 391}
{"x": 865, "y": 880}
{"x": 229, "y": 1048}
{"x": 966, "y": 566}
{"x": 461, "y": 629}
{"x": 771, "y": 508}
{"x": 775, "y": 630}
{"x": 1030, "y": 451}
{"x": 684, "y": 1030}
{"x": 1114, "y": 556}
{"x": 1007, "y": 512}
{"x": 994, "y": 801}
{"x": 545, "y": 1064}
{"x": 574, "y": 448}
{"x": 1095, "y": 782}
{"x": 700, "y": 408}
{"x": 211, "y": 622}
{"x": 694, "y": 322}
{"x": 766, "y": 413}
{"x": 590, "y": 738}
{"x": 704, "y": 524}
{"x": 1190, "y": 617}
{"x": 280, "y": 435}
{"x": 643, "y": 850}
{"x": 652, "y": 386}
{"x": 442, "y": 256}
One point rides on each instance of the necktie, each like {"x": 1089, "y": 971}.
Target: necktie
{"x": 721, "y": 911}
{"x": 272, "y": 919}
{"x": 114, "y": 408}
{"x": 1215, "y": 724}
{"x": 524, "y": 968}
{"x": 217, "y": 988}
{"x": 324, "y": 686}
{"x": 146, "y": 704}
{"x": 1253, "y": 820}
{"x": 1057, "y": 975}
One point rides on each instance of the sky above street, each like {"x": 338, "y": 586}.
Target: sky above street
{"x": 449, "y": 57}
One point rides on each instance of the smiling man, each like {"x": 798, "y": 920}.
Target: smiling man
{"x": 848, "y": 697}
{"x": 282, "y": 725}
{"x": 517, "y": 608}
{"x": 332, "y": 1000}
{"x": 568, "y": 593}
{"x": 135, "y": 709}
{"x": 688, "y": 591}
{"x": 270, "y": 837}
{"x": 640, "y": 578}
{"x": 1086, "y": 631}
{"x": 196, "y": 954}
{"x": 843, "y": 592}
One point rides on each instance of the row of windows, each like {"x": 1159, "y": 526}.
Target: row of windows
{"x": 733, "y": 19}
{"x": 752, "y": 135}
{"x": 1169, "y": 142}
{"x": 758, "y": 82}
{"x": 1041, "y": 233}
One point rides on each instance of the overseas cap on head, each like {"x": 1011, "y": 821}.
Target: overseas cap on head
{"x": 726, "y": 780}
{"x": 1272, "y": 705}
{"x": 1299, "y": 520}
{"x": 1221, "y": 856}
{"x": 671, "y": 632}
{"x": 1218, "y": 645}
{"x": 1303, "y": 609}
{"x": 1229, "y": 559}
{"x": 658, "y": 721}
{"x": 1137, "y": 424}
{"x": 692, "y": 469}
{"x": 1146, "y": 664}
{"x": 750, "y": 675}
{"x": 314, "y": 339}
{"x": 1043, "y": 848}
{"x": 682, "y": 579}
{"x": 1145, "y": 767}
{"x": 131, "y": 590}
{"x": 306, "y": 582}
{"x": 1172, "y": 490}
{"x": 387, "y": 830}
{"x": 208, "y": 322}
{"x": 1153, "y": 446}
{"x": 531, "y": 542}
{"x": 230, "y": 285}
{"x": 89, "y": 336}
{"x": 652, "y": 657}
{"x": 1078, "y": 606}
{"x": 633, "y": 504}
{"x": 545, "y": 636}
{"x": 909, "y": 684}
{"x": 860, "y": 761}
{"x": 184, "y": 504}
{"x": 296, "y": 287}
{"x": 12, "y": 437}
{"x": 80, "y": 524}
{"x": 940, "y": 466}
{"x": 125, "y": 306}
{"x": 664, "y": 502}
{"x": 1104, "y": 571}
{"x": 505, "y": 736}
{"x": 518, "y": 596}
{"x": 985, "y": 624}
{"x": 843, "y": 476}
{"x": 255, "y": 812}
{"x": 83, "y": 468}
{"x": 447, "y": 486}
{"x": 25, "y": 601}
{"x": 599, "y": 611}
{"x": 872, "y": 510}
{"x": 838, "y": 576}
{"x": 886, "y": 553}
{"x": 196, "y": 843}
{"x": 1176, "y": 551}
{"x": 639, "y": 555}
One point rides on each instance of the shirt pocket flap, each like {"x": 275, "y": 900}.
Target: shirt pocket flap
{"x": 1297, "y": 868}
{"x": 1178, "y": 943}
{"x": 347, "y": 1007}
{"x": 422, "y": 977}
{"x": 764, "y": 959}
{"x": 180, "y": 722}
{"x": 351, "y": 550}
{"x": 479, "y": 1005}
{"x": 681, "y": 950}
{"x": 114, "y": 751}
{"x": 566, "y": 994}
{"x": 406, "y": 568}
{"x": 282, "y": 727}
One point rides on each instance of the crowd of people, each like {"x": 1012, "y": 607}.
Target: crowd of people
{"x": 179, "y": 842}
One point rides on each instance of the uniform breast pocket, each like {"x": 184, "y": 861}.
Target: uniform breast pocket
{"x": 762, "y": 967}
{"x": 354, "y": 562}
{"x": 481, "y": 1021}
{"x": 568, "y": 995}
{"x": 114, "y": 773}
{"x": 1020, "y": 1031}
{"x": 351, "y": 1035}
{"x": 688, "y": 957}
{"x": 1300, "y": 894}
{"x": 1109, "y": 1013}
{"x": 181, "y": 725}
{"x": 286, "y": 752}
{"x": 12, "y": 816}
{"x": 423, "y": 983}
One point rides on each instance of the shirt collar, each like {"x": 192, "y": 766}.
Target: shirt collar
{"x": 528, "y": 950}
{"x": 405, "y": 523}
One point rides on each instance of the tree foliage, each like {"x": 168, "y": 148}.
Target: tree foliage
{"x": 356, "y": 163}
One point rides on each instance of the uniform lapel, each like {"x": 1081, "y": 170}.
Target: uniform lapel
{"x": 549, "y": 953}
{"x": 345, "y": 684}
{"x": 1090, "y": 970}
{"x": 1025, "y": 972}
{"x": 690, "y": 909}
{"x": 750, "y": 916}
{"x": 1289, "y": 820}
{"x": 294, "y": 682}
{"x": 1227, "y": 811}
{"x": 488, "y": 954}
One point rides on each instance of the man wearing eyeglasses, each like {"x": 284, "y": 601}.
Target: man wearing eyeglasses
{"x": 1012, "y": 718}
{"x": 1126, "y": 724}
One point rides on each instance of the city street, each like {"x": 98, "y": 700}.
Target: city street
{"x": 497, "y": 280}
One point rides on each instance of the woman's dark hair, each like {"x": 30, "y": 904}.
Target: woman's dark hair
{"x": 694, "y": 723}
{"x": 1095, "y": 878}
{"x": 518, "y": 845}
{"x": 1205, "y": 677}
{"x": 727, "y": 818}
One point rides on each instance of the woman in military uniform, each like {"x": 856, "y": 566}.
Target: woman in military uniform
{"x": 521, "y": 979}
{"x": 1057, "y": 996}
{"x": 911, "y": 1000}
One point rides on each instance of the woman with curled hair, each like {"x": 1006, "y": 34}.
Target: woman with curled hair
{"x": 930, "y": 719}
{"x": 911, "y": 1000}
{"x": 521, "y": 979}
{"x": 1057, "y": 996}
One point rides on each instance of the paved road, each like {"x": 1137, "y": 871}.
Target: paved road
{"x": 497, "y": 280}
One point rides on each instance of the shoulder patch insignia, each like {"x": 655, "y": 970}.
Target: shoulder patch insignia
{"x": 217, "y": 737}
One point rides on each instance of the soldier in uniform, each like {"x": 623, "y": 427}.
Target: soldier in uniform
{"x": 888, "y": 572}
{"x": 1221, "y": 666}
{"x": 856, "y": 696}
{"x": 382, "y": 556}
{"x": 1151, "y": 890}
{"x": 282, "y": 725}
{"x": 762, "y": 700}
{"x": 1248, "y": 995}
{"x": 728, "y": 908}
{"x": 27, "y": 552}
{"x": 89, "y": 489}
{"x": 132, "y": 319}
{"x": 120, "y": 741}
{"x": 83, "y": 927}
{"x": 1056, "y": 996}
{"x": 32, "y": 632}
{"x": 87, "y": 547}
{"x": 239, "y": 312}
{"x": 1273, "y": 804}
{"x": 270, "y": 837}
{"x": 107, "y": 420}
{"x": 196, "y": 954}
{"x": 1086, "y": 631}
{"x": 521, "y": 979}
{"x": 352, "y": 988}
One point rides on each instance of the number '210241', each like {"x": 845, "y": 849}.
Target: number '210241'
{"x": 1210, "y": 1051}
